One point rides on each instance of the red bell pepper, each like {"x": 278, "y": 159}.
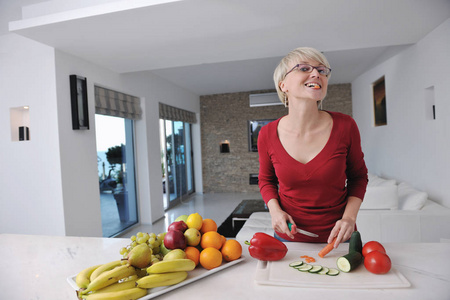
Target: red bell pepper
{"x": 265, "y": 247}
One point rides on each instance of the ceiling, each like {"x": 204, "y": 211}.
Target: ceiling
{"x": 224, "y": 46}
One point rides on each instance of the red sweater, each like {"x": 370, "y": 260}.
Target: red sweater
{"x": 314, "y": 194}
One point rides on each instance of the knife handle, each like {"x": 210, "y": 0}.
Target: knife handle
{"x": 290, "y": 226}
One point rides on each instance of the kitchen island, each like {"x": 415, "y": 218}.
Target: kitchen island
{"x": 37, "y": 267}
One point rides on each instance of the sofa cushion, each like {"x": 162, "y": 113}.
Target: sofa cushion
{"x": 374, "y": 180}
{"x": 381, "y": 197}
{"x": 409, "y": 198}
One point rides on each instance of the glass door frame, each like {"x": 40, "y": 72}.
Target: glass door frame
{"x": 188, "y": 158}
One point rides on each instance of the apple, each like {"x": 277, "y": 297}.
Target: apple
{"x": 175, "y": 254}
{"x": 175, "y": 239}
{"x": 193, "y": 236}
{"x": 163, "y": 249}
{"x": 178, "y": 225}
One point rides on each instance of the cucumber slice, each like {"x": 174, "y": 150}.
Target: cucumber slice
{"x": 296, "y": 264}
{"x": 305, "y": 268}
{"x": 324, "y": 271}
{"x": 315, "y": 269}
{"x": 333, "y": 272}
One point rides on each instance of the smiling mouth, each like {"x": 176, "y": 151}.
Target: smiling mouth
{"x": 313, "y": 85}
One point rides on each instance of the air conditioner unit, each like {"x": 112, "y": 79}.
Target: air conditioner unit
{"x": 266, "y": 99}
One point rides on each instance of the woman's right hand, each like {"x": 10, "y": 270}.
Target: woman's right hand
{"x": 280, "y": 218}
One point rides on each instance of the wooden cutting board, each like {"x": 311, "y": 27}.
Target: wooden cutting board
{"x": 280, "y": 273}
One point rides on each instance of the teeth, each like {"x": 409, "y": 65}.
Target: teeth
{"x": 313, "y": 85}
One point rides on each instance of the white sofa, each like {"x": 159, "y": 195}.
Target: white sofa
{"x": 390, "y": 212}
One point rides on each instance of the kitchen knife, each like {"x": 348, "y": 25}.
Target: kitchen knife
{"x": 301, "y": 230}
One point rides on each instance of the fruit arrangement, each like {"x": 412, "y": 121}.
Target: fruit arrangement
{"x": 154, "y": 260}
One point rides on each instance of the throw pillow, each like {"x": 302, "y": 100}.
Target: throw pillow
{"x": 410, "y": 198}
{"x": 380, "y": 197}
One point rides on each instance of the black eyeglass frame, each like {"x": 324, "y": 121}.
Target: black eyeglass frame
{"x": 312, "y": 68}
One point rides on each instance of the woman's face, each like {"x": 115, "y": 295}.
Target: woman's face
{"x": 302, "y": 81}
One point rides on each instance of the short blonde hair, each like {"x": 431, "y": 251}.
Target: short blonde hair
{"x": 295, "y": 56}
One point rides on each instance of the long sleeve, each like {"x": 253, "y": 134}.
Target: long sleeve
{"x": 267, "y": 180}
{"x": 356, "y": 168}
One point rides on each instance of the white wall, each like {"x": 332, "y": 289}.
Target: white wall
{"x": 51, "y": 181}
{"x": 411, "y": 147}
{"x": 155, "y": 90}
{"x": 30, "y": 185}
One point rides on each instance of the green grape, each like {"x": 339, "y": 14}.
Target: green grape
{"x": 141, "y": 240}
{"x": 133, "y": 244}
{"x": 161, "y": 236}
{"x": 151, "y": 241}
{"x": 146, "y": 235}
{"x": 157, "y": 244}
{"x": 140, "y": 234}
{"x": 153, "y": 235}
{"x": 156, "y": 250}
{"x": 133, "y": 238}
{"x": 123, "y": 250}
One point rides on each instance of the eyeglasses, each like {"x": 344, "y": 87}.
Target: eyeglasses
{"x": 308, "y": 69}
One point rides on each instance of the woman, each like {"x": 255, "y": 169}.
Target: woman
{"x": 312, "y": 170}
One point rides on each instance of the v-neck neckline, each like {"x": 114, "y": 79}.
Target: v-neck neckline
{"x": 322, "y": 153}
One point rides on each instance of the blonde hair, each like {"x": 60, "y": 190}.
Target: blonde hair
{"x": 295, "y": 56}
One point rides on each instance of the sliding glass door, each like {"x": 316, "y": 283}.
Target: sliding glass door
{"x": 176, "y": 161}
{"x": 115, "y": 156}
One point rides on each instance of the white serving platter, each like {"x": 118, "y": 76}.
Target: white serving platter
{"x": 279, "y": 273}
{"x": 194, "y": 275}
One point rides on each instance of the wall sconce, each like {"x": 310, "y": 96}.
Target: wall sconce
{"x": 225, "y": 146}
{"x": 78, "y": 97}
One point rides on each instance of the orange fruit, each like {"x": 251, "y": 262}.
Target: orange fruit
{"x": 224, "y": 239}
{"x": 208, "y": 225}
{"x": 193, "y": 254}
{"x": 211, "y": 239}
{"x": 210, "y": 258}
{"x": 231, "y": 250}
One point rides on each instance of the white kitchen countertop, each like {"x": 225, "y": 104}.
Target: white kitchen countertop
{"x": 37, "y": 267}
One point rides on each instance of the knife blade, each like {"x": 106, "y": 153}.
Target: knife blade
{"x": 301, "y": 230}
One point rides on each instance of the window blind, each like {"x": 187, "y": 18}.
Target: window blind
{"x": 168, "y": 112}
{"x": 117, "y": 104}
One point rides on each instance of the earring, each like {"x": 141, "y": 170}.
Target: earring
{"x": 286, "y": 104}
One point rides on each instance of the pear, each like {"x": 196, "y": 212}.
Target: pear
{"x": 140, "y": 256}
{"x": 175, "y": 254}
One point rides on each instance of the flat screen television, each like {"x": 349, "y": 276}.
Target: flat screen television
{"x": 254, "y": 126}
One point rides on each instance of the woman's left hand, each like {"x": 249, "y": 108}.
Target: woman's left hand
{"x": 343, "y": 230}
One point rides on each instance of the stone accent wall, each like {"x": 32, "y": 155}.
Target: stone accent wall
{"x": 225, "y": 117}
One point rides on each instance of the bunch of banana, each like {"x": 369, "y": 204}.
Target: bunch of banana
{"x": 166, "y": 272}
{"x": 108, "y": 278}
{"x": 114, "y": 280}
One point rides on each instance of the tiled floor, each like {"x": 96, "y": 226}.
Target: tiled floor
{"x": 216, "y": 206}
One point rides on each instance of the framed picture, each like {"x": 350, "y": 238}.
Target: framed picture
{"x": 254, "y": 126}
{"x": 78, "y": 97}
{"x": 379, "y": 102}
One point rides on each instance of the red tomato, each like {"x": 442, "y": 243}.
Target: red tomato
{"x": 377, "y": 262}
{"x": 372, "y": 246}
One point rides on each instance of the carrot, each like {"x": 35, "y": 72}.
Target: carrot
{"x": 327, "y": 249}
